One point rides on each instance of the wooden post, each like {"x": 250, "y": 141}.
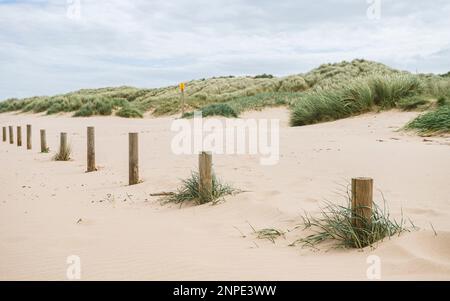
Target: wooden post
{"x": 43, "y": 142}
{"x": 11, "y": 135}
{"x": 19, "y": 136}
{"x": 133, "y": 170}
{"x": 91, "y": 149}
{"x": 63, "y": 142}
{"x": 205, "y": 174}
{"x": 28, "y": 136}
{"x": 4, "y": 134}
{"x": 362, "y": 200}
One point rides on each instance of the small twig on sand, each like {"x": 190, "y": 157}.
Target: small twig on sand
{"x": 242, "y": 234}
{"x": 162, "y": 193}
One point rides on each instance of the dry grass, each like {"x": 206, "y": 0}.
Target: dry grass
{"x": 269, "y": 234}
{"x": 335, "y": 223}
{"x": 132, "y": 102}
{"x": 63, "y": 154}
{"x": 190, "y": 192}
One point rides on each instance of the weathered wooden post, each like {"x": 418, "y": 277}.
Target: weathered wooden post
{"x": 362, "y": 200}
{"x": 44, "y": 148}
{"x": 4, "y": 134}
{"x": 205, "y": 174}
{"x": 91, "y": 149}
{"x": 28, "y": 136}
{"x": 11, "y": 135}
{"x": 63, "y": 153}
{"x": 63, "y": 143}
{"x": 133, "y": 165}
{"x": 19, "y": 136}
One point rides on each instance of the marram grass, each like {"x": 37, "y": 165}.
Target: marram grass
{"x": 335, "y": 223}
{"x": 63, "y": 154}
{"x": 199, "y": 93}
{"x": 190, "y": 192}
{"x": 129, "y": 112}
{"x": 352, "y": 98}
{"x": 413, "y": 103}
{"x": 326, "y": 93}
{"x": 433, "y": 122}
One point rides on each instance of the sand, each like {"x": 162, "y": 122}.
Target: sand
{"x": 51, "y": 210}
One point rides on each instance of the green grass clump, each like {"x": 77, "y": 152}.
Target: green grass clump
{"x": 263, "y": 76}
{"x": 336, "y": 223}
{"x": 6, "y": 106}
{"x": 63, "y": 154}
{"x": 64, "y": 104}
{"x": 38, "y": 105}
{"x": 102, "y": 107}
{"x": 189, "y": 192}
{"x": 217, "y": 109}
{"x": 433, "y": 122}
{"x": 442, "y": 101}
{"x": 262, "y": 100}
{"x": 221, "y": 109}
{"x": 46, "y": 150}
{"x": 86, "y": 110}
{"x": 238, "y": 105}
{"x": 129, "y": 112}
{"x": 55, "y": 108}
{"x": 413, "y": 103}
{"x": 359, "y": 96}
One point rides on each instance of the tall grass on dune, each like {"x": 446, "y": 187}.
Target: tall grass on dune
{"x": 190, "y": 192}
{"x": 236, "y": 106}
{"x": 217, "y": 109}
{"x": 328, "y": 92}
{"x": 129, "y": 111}
{"x": 359, "y": 96}
{"x": 434, "y": 122}
{"x": 199, "y": 93}
{"x": 335, "y": 223}
{"x": 417, "y": 102}
{"x": 437, "y": 87}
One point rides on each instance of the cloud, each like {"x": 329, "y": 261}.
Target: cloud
{"x": 44, "y": 50}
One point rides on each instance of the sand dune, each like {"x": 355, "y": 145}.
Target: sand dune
{"x": 51, "y": 210}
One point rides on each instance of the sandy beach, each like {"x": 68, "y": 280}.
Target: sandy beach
{"x": 50, "y": 210}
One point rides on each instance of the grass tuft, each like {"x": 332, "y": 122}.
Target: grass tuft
{"x": 189, "y": 191}
{"x": 263, "y": 76}
{"x": 102, "y": 107}
{"x": 63, "y": 154}
{"x": 413, "y": 103}
{"x": 442, "y": 101}
{"x": 217, "y": 109}
{"x": 129, "y": 112}
{"x": 335, "y": 223}
{"x": 46, "y": 150}
{"x": 433, "y": 122}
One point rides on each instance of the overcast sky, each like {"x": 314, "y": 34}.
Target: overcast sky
{"x": 54, "y": 46}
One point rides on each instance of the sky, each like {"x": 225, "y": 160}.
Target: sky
{"x": 55, "y": 46}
